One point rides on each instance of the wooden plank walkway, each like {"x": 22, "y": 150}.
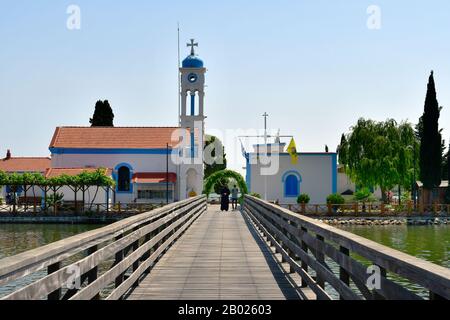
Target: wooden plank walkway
{"x": 220, "y": 257}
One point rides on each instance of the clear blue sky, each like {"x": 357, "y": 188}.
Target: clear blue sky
{"x": 314, "y": 66}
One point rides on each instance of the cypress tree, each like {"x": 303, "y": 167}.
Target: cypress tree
{"x": 430, "y": 144}
{"x": 342, "y": 150}
{"x": 447, "y": 192}
{"x": 103, "y": 115}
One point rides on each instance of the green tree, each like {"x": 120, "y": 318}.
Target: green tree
{"x": 217, "y": 162}
{"x": 218, "y": 176}
{"x": 447, "y": 192}
{"x": 103, "y": 115}
{"x": 342, "y": 150}
{"x": 431, "y": 141}
{"x": 379, "y": 154}
{"x": 445, "y": 165}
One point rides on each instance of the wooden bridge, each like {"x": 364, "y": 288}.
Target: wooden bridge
{"x": 188, "y": 251}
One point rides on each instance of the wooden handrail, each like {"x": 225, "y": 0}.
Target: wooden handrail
{"x": 135, "y": 242}
{"x": 364, "y": 208}
{"x": 295, "y": 234}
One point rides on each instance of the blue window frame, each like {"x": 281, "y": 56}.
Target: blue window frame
{"x": 291, "y": 184}
{"x": 123, "y": 175}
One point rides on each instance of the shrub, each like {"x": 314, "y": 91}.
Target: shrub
{"x": 256, "y": 195}
{"x": 303, "y": 198}
{"x": 335, "y": 199}
{"x": 363, "y": 194}
{"x": 54, "y": 199}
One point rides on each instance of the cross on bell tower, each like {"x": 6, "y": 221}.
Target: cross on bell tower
{"x": 192, "y": 45}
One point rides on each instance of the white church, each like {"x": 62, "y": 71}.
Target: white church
{"x": 271, "y": 174}
{"x": 141, "y": 160}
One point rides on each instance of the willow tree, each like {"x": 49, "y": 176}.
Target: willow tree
{"x": 379, "y": 154}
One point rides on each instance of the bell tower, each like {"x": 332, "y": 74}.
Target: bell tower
{"x": 192, "y": 92}
{"x": 192, "y": 118}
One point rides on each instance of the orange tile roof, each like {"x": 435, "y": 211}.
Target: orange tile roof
{"x": 154, "y": 177}
{"x": 56, "y": 172}
{"x": 25, "y": 164}
{"x": 113, "y": 137}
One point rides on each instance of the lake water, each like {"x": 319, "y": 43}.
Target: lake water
{"x": 17, "y": 238}
{"x": 430, "y": 243}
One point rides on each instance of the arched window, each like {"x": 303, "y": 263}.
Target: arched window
{"x": 291, "y": 181}
{"x": 123, "y": 181}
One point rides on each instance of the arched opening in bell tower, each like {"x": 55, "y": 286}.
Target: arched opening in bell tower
{"x": 194, "y": 108}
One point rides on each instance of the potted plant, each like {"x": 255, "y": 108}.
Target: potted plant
{"x": 335, "y": 200}
{"x": 303, "y": 200}
{"x": 192, "y": 194}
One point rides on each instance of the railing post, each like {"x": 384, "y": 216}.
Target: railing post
{"x": 118, "y": 258}
{"x": 410, "y": 205}
{"x": 435, "y": 208}
{"x": 330, "y": 209}
{"x": 93, "y": 273}
{"x": 321, "y": 259}
{"x": 343, "y": 274}
{"x": 136, "y": 264}
{"x": 304, "y": 246}
{"x": 376, "y": 295}
{"x": 55, "y": 295}
{"x": 118, "y": 207}
{"x": 355, "y": 208}
{"x": 382, "y": 209}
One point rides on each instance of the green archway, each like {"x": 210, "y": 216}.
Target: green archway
{"x": 212, "y": 179}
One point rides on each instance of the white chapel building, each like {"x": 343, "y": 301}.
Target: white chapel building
{"x": 139, "y": 159}
{"x": 271, "y": 173}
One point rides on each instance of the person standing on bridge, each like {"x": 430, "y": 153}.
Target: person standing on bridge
{"x": 224, "y": 198}
{"x": 234, "y": 197}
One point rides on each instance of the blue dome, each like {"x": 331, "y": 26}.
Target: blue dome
{"x": 192, "y": 62}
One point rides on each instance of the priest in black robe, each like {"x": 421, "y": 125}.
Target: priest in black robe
{"x": 224, "y": 198}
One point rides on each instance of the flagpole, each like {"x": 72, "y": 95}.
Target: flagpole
{"x": 178, "y": 75}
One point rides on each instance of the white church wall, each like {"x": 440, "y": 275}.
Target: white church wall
{"x": 317, "y": 171}
{"x": 90, "y": 195}
{"x": 139, "y": 162}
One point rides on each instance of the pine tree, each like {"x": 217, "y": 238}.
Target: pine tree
{"x": 103, "y": 115}
{"x": 430, "y": 144}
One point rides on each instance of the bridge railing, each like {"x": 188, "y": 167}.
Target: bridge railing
{"x": 335, "y": 263}
{"x": 100, "y": 264}
{"x": 368, "y": 209}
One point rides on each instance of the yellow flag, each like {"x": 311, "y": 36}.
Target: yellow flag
{"x": 292, "y": 150}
